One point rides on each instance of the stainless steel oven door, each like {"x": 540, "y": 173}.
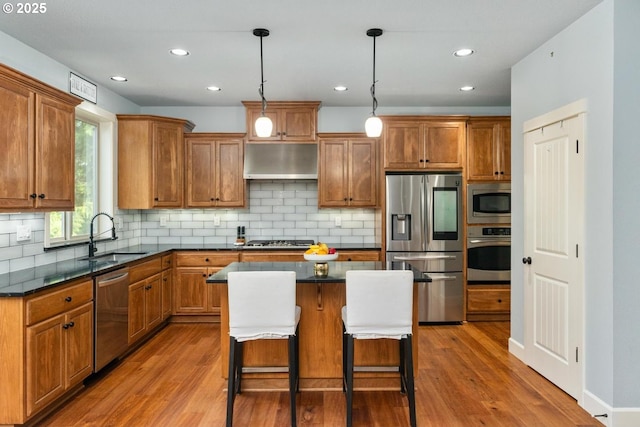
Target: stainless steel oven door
{"x": 489, "y": 259}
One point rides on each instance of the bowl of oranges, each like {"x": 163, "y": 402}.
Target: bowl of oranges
{"x": 320, "y": 252}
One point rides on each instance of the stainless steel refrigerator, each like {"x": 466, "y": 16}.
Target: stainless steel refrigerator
{"x": 424, "y": 229}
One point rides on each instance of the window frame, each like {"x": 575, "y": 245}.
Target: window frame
{"x": 105, "y": 176}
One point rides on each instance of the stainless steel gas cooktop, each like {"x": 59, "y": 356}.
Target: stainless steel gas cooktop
{"x": 293, "y": 244}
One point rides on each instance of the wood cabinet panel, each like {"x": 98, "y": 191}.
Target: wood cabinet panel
{"x": 191, "y": 290}
{"x": 59, "y": 356}
{"x": 144, "y": 269}
{"x": 145, "y": 306}
{"x": 192, "y": 294}
{"x": 489, "y": 149}
{"x": 272, "y": 256}
{"x": 151, "y": 161}
{"x": 488, "y": 302}
{"x": 38, "y": 133}
{"x": 358, "y": 255}
{"x": 56, "y": 302}
{"x": 292, "y": 120}
{"x": 214, "y": 170}
{"x": 424, "y": 142}
{"x": 167, "y": 293}
{"x": 348, "y": 171}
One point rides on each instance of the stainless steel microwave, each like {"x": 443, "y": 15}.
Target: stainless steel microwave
{"x": 489, "y": 203}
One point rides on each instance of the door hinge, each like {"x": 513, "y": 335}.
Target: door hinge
{"x": 576, "y": 354}
{"x": 577, "y": 146}
{"x": 576, "y": 250}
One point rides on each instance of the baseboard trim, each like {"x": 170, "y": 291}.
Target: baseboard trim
{"x": 516, "y": 349}
{"x": 615, "y": 417}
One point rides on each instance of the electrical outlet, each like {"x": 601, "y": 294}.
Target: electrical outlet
{"x": 163, "y": 221}
{"x": 338, "y": 221}
{"x": 216, "y": 221}
{"x": 120, "y": 223}
{"x": 23, "y": 233}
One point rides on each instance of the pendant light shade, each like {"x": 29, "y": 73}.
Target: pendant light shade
{"x": 263, "y": 125}
{"x": 373, "y": 125}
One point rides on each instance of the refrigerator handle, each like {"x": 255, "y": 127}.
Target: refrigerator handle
{"x": 440, "y": 278}
{"x": 422, "y": 257}
{"x": 423, "y": 211}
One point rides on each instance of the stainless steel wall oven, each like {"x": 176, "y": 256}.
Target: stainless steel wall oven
{"x": 488, "y": 254}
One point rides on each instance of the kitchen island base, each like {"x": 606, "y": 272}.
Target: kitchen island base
{"x": 320, "y": 332}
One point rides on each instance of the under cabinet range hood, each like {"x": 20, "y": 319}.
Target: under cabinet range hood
{"x": 280, "y": 161}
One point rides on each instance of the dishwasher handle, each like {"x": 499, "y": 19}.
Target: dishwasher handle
{"x": 109, "y": 280}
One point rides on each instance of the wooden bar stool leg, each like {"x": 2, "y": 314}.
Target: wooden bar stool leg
{"x": 349, "y": 379}
{"x": 231, "y": 382}
{"x": 408, "y": 352}
{"x": 402, "y": 368}
{"x": 344, "y": 360}
{"x": 292, "y": 378}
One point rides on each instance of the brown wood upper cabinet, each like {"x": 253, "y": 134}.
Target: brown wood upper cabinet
{"x": 38, "y": 139}
{"x": 423, "y": 142}
{"x": 489, "y": 149}
{"x": 347, "y": 171}
{"x": 214, "y": 170}
{"x": 151, "y": 161}
{"x": 294, "y": 121}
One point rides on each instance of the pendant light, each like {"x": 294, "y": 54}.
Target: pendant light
{"x": 373, "y": 125}
{"x": 263, "y": 125}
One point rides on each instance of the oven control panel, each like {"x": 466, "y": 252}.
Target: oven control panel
{"x": 475, "y": 231}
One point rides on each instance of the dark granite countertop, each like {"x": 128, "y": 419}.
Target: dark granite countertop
{"x": 31, "y": 280}
{"x": 304, "y": 270}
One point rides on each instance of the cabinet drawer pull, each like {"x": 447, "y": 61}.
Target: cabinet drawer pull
{"x": 68, "y": 299}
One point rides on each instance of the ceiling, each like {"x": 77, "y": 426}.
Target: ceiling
{"x": 313, "y": 47}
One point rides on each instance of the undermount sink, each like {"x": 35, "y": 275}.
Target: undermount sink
{"x": 116, "y": 256}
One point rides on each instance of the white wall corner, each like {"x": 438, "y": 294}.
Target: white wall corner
{"x": 616, "y": 417}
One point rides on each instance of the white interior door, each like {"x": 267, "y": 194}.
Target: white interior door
{"x": 553, "y": 240}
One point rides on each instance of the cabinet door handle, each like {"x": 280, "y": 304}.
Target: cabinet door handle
{"x": 495, "y": 173}
{"x": 155, "y": 199}
{"x": 421, "y": 161}
{"x": 320, "y": 303}
{"x": 41, "y": 196}
{"x": 526, "y": 260}
{"x": 33, "y": 195}
{"x": 68, "y": 299}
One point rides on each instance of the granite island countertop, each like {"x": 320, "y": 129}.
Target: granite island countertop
{"x": 305, "y": 271}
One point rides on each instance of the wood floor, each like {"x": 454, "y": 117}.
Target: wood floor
{"x": 467, "y": 378}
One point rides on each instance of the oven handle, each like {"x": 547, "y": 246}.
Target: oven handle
{"x": 492, "y": 242}
{"x": 422, "y": 257}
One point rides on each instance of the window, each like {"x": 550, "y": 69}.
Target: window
{"x": 93, "y": 163}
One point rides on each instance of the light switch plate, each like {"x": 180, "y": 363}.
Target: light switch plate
{"x": 23, "y": 233}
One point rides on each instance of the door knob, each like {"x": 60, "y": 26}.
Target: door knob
{"x": 526, "y": 260}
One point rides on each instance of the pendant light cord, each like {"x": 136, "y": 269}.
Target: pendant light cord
{"x": 261, "y": 88}
{"x": 373, "y": 85}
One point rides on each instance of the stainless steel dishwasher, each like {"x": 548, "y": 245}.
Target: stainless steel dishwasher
{"x": 111, "y": 316}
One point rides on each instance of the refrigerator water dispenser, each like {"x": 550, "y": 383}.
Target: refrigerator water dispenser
{"x": 401, "y": 226}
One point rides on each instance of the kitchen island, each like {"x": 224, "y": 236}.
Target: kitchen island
{"x": 320, "y": 330}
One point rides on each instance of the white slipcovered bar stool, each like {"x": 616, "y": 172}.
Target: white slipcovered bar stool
{"x": 379, "y": 305}
{"x": 262, "y": 305}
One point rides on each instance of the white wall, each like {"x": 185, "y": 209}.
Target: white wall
{"x": 626, "y": 204}
{"x": 582, "y": 66}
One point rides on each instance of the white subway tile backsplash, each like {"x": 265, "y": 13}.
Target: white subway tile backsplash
{"x": 277, "y": 209}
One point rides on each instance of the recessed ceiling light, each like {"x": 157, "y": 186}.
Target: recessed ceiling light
{"x": 214, "y": 88}
{"x": 463, "y": 52}
{"x": 118, "y": 78}
{"x": 467, "y": 88}
{"x": 179, "y": 52}
{"x": 341, "y": 88}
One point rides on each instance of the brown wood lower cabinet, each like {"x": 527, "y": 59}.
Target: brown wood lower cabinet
{"x": 488, "y": 302}
{"x": 145, "y": 306}
{"x": 192, "y": 295}
{"x": 145, "y": 298}
{"x": 297, "y": 256}
{"x": 46, "y": 350}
